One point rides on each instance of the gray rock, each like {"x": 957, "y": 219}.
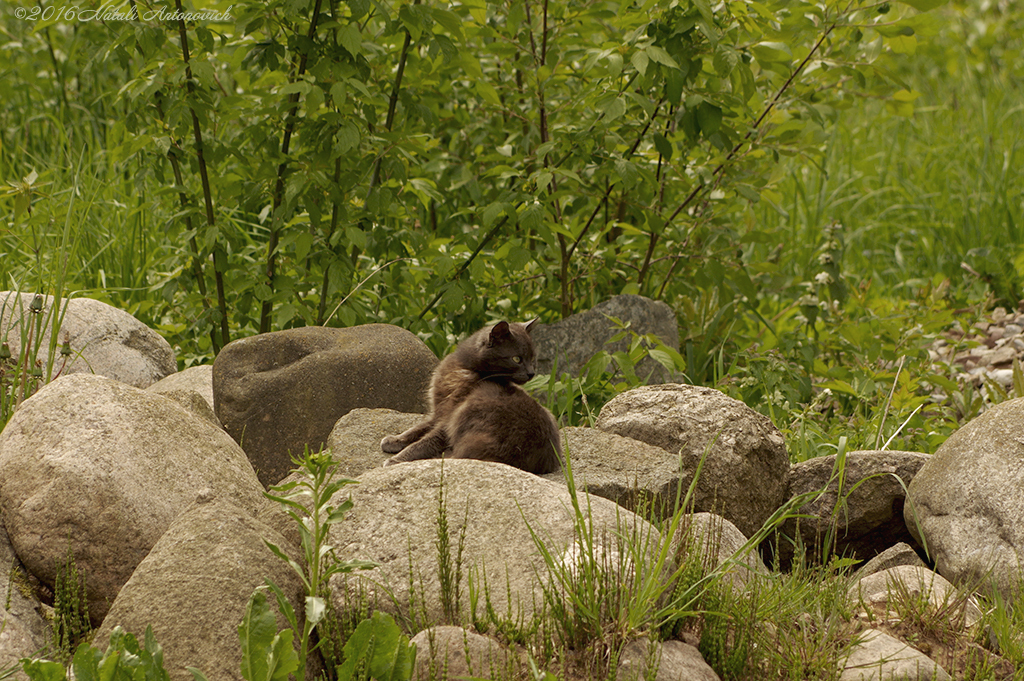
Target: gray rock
{"x": 448, "y": 652}
{"x": 197, "y": 378}
{"x": 194, "y": 585}
{"x": 880, "y": 657}
{"x": 104, "y": 468}
{"x": 22, "y": 599}
{"x": 194, "y": 403}
{"x": 394, "y": 521}
{"x": 278, "y": 393}
{"x": 16, "y": 642}
{"x": 719, "y": 545}
{"x": 894, "y": 556}
{"x": 355, "y": 439}
{"x": 969, "y": 509}
{"x": 104, "y": 340}
{"x": 635, "y": 475}
{"x": 744, "y": 474}
{"x": 672, "y": 661}
{"x": 869, "y": 516}
{"x": 574, "y": 340}
{"x": 890, "y": 589}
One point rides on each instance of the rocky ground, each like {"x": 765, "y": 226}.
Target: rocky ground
{"x": 157, "y": 490}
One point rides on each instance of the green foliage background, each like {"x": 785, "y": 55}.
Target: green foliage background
{"x": 816, "y": 188}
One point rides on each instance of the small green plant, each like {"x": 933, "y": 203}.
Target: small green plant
{"x": 70, "y": 607}
{"x": 449, "y": 568}
{"x": 308, "y": 500}
{"x": 378, "y": 650}
{"x": 123, "y": 660}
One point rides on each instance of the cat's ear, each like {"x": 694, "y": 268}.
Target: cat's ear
{"x": 499, "y": 332}
{"x": 528, "y": 325}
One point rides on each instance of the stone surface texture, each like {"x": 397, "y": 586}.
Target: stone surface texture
{"x": 194, "y": 585}
{"x": 672, "y": 660}
{"x": 104, "y": 340}
{"x": 394, "y": 522}
{"x": 867, "y": 513}
{"x": 968, "y": 502}
{"x": 880, "y": 657}
{"x": 104, "y": 468}
{"x": 455, "y": 653}
{"x": 572, "y": 341}
{"x": 743, "y": 477}
{"x": 197, "y": 378}
{"x": 278, "y": 393}
{"x": 355, "y": 439}
{"x": 631, "y": 473}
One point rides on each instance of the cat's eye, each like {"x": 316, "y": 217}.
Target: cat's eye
{"x": 517, "y": 359}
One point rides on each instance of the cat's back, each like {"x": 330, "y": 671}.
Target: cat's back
{"x": 452, "y": 382}
{"x": 502, "y": 423}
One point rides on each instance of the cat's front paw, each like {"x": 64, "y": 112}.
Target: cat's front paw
{"x": 392, "y": 444}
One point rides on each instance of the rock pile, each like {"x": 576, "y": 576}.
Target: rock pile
{"x": 988, "y": 352}
{"x": 165, "y": 515}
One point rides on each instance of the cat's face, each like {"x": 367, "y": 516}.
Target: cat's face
{"x": 506, "y": 352}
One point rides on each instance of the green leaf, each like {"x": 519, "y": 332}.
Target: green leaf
{"x": 903, "y": 44}
{"x": 768, "y": 52}
{"x": 449, "y": 20}
{"x": 346, "y": 138}
{"x": 379, "y": 644}
{"x": 315, "y": 610}
{"x": 43, "y": 670}
{"x": 640, "y": 60}
{"x": 725, "y": 60}
{"x": 282, "y": 659}
{"x": 492, "y": 212}
{"x": 924, "y": 5}
{"x": 659, "y": 55}
{"x": 663, "y": 146}
{"x": 902, "y": 103}
{"x": 709, "y": 118}
{"x": 613, "y": 107}
{"x": 488, "y": 93}
{"x": 351, "y": 39}
{"x": 257, "y": 633}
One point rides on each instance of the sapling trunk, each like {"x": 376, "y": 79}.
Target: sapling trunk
{"x": 197, "y": 132}
{"x": 289, "y": 129}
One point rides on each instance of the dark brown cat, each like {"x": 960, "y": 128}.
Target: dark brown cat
{"x": 479, "y": 412}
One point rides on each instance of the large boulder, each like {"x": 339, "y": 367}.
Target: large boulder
{"x": 103, "y": 468}
{"x": 278, "y": 393}
{"x": 103, "y": 340}
{"x": 967, "y": 508}
{"x": 194, "y": 585}
{"x": 355, "y": 439}
{"x": 862, "y": 519}
{"x": 743, "y": 477}
{"x": 635, "y": 475}
{"x": 395, "y": 519}
{"x": 573, "y": 341}
{"x": 198, "y": 378}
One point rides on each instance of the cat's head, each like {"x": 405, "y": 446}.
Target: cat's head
{"x": 503, "y": 352}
